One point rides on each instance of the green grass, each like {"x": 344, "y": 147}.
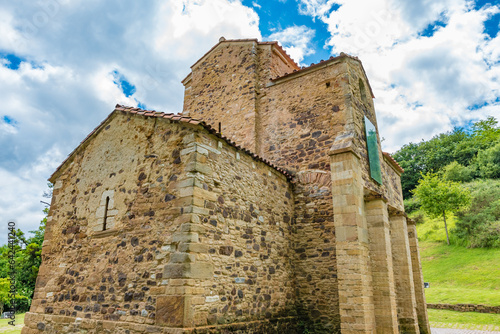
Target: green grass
{"x": 433, "y": 228}
{"x": 5, "y": 328}
{"x": 458, "y": 275}
{"x": 461, "y": 275}
{"x": 465, "y": 320}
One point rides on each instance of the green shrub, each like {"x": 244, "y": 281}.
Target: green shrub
{"x": 488, "y": 162}
{"x": 458, "y": 173}
{"x": 418, "y": 218}
{"x": 479, "y": 226}
{"x": 486, "y": 236}
{"x": 411, "y": 205}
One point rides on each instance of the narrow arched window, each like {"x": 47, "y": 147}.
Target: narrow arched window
{"x": 362, "y": 91}
{"x": 105, "y": 214}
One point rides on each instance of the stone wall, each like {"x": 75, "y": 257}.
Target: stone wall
{"x": 313, "y": 247}
{"x": 225, "y": 81}
{"x": 300, "y": 118}
{"x": 113, "y": 274}
{"x": 225, "y": 84}
{"x": 197, "y": 236}
{"x": 245, "y": 211}
{"x": 466, "y": 308}
{"x": 160, "y": 224}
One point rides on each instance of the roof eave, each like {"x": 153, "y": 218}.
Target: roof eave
{"x": 81, "y": 146}
{"x": 152, "y": 113}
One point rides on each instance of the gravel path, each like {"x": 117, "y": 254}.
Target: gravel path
{"x": 459, "y": 331}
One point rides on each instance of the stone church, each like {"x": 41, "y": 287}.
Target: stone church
{"x": 266, "y": 206}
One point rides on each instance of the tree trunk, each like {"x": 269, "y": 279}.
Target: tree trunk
{"x": 446, "y": 229}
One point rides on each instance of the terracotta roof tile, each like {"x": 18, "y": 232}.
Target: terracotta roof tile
{"x": 174, "y": 117}
{"x": 393, "y": 162}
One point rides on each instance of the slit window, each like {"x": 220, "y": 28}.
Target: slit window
{"x": 362, "y": 91}
{"x": 105, "y": 214}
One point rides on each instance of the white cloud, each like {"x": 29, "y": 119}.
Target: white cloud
{"x": 76, "y": 46}
{"x": 424, "y": 85}
{"x": 296, "y": 40}
{"x": 23, "y": 189}
{"x": 315, "y": 8}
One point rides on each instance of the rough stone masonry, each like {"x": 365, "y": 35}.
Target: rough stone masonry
{"x": 278, "y": 213}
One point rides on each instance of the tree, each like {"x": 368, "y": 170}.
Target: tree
{"x": 460, "y": 145}
{"x": 4, "y": 292}
{"x": 488, "y": 162}
{"x": 479, "y": 225}
{"x": 457, "y": 173}
{"x": 27, "y": 261}
{"x": 438, "y": 197}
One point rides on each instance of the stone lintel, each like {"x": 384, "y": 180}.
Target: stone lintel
{"x": 105, "y": 233}
{"x": 375, "y": 196}
{"x": 410, "y": 221}
{"x": 394, "y": 212}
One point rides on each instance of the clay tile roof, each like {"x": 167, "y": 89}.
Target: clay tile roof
{"x": 185, "y": 119}
{"x": 174, "y": 117}
{"x": 393, "y": 162}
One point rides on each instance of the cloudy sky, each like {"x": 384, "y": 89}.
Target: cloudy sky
{"x": 64, "y": 64}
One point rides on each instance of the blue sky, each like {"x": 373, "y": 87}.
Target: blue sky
{"x": 64, "y": 64}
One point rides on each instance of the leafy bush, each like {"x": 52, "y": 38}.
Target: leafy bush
{"x": 457, "y": 172}
{"x": 487, "y": 236}
{"x": 418, "y": 217}
{"x": 479, "y": 226}
{"x": 488, "y": 162}
{"x": 411, "y": 205}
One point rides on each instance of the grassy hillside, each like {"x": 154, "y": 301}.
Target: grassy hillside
{"x": 457, "y": 274}
{"x": 460, "y": 275}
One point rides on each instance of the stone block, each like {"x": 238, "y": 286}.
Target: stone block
{"x": 199, "y": 167}
{"x": 186, "y": 183}
{"x": 193, "y": 247}
{"x": 204, "y": 194}
{"x": 189, "y": 139}
{"x": 196, "y": 210}
{"x": 201, "y": 270}
{"x": 182, "y": 258}
{"x": 58, "y": 184}
{"x": 186, "y": 192}
{"x": 170, "y": 311}
{"x": 185, "y": 237}
{"x": 188, "y": 150}
{"x": 196, "y": 228}
{"x": 188, "y": 270}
